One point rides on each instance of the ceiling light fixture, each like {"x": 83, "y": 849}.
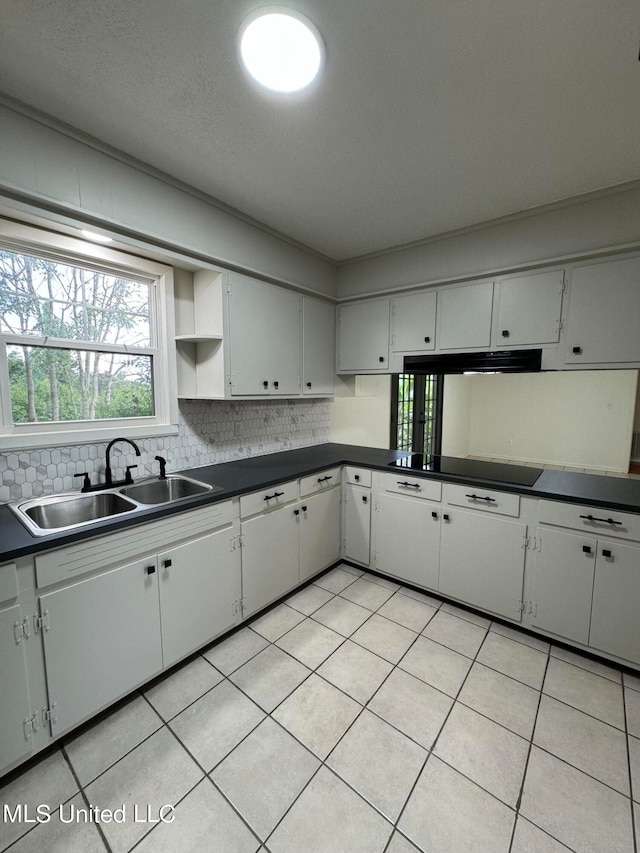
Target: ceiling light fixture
{"x": 97, "y": 238}
{"x": 281, "y": 49}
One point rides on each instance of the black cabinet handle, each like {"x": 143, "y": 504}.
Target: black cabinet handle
{"x": 324, "y": 479}
{"x": 356, "y": 477}
{"x": 427, "y": 340}
{"x": 274, "y": 495}
{"x": 265, "y": 384}
{"x": 434, "y": 515}
{"x": 481, "y": 498}
{"x": 275, "y": 384}
{"x": 411, "y": 485}
{"x": 308, "y": 385}
{"x": 381, "y": 358}
{"x": 304, "y": 509}
{"x": 576, "y": 350}
{"x": 606, "y": 552}
{"x": 586, "y": 549}
{"x": 505, "y": 333}
{"x": 446, "y": 517}
{"x": 150, "y": 570}
{"x": 364, "y": 499}
{"x": 167, "y": 563}
{"x": 604, "y": 520}
{"x": 296, "y": 512}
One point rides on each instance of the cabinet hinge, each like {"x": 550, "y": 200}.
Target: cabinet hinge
{"x": 522, "y": 606}
{"x": 41, "y": 622}
{"x": 236, "y": 607}
{"x": 21, "y": 630}
{"x": 30, "y": 725}
{"x": 528, "y": 607}
{"x": 48, "y": 714}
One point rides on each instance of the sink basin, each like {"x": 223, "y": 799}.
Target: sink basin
{"x": 159, "y": 491}
{"x": 63, "y": 512}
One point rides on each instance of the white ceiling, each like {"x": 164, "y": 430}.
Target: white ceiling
{"x": 432, "y": 115}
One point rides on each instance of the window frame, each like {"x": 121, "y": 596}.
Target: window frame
{"x": 418, "y": 413}
{"x": 16, "y": 237}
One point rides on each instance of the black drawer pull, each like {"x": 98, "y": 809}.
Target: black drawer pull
{"x": 411, "y": 485}
{"x": 604, "y": 520}
{"x": 606, "y": 552}
{"x": 381, "y": 359}
{"x": 586, "y": 549}
{"x": 275, "y": 384}
{"x": 324, "y": 479}
{"x": 308, "y": 385}
{"x": 274, "y": 495}
{"x": 427, "y": 340}
{"x": 265, "y": 384}
{"x": 481, "y": 498}
{"x": 296, "y": 512}
{"x": 505, "y": 333}
{"x": 304, "y": 509}
{"x": 446, "y": 517}
{"x": 167, "y": 563}
{"x": 150, "y": 570}
{"x": 576, "y": 350}
{"x": 356, "y": 477}
{"x": 364, "y": 499}
{"x": 434, "y": 515}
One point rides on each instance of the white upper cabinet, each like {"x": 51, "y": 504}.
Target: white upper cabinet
{"x": 263, "y": 339}
{"x": 529, "y": 309}
{"x": 604, "y": 313}
{"x": 464, "y": 316}
{"x": 363, "y": 337}
{"x": 413, "y": 322}
{"x": 318, "y": 346}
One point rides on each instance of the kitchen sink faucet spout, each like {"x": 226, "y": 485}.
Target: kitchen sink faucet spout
{"x": 108, "y": 475}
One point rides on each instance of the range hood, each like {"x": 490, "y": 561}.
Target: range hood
{"x": 512, "y": 361}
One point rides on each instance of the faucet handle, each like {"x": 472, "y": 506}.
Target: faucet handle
{"x": 127, "y": 476}
{"x": 86, "y": 483}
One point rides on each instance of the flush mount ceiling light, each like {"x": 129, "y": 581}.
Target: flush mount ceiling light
{"x": 280, "y": 49}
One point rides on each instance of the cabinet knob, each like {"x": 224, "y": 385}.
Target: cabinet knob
{"x": 427, "y": 340}
{"x": 357, "y": 478}
{"x": 265, "y": 384}
{"x": 446, "y": 517}
{"x": 434, "y": 515}
{"x": 304, "y": 509}
{"x": 586, "y": 549}
{"x": 150, "y": 570}
{"x": 505, "y": 333}
{"x": 576, "y": 350}
{"x": 381, "y": 358}
{"x": 167, "y": 563}
{"x": 275, "y": 384}
{"x": 296, "y": 512}
{"x": 308, "y": 385}
{"x": 364, "y": 499}
{"x": 606, "y": 553}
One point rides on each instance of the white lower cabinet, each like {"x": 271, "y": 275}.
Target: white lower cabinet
{"x": 615, "y": 627}
{"x": 269, "y": 557}
{"x": 101, "y": 639}
{"x": 563, "y": 584}
{"x": 482, "y": 561}
{"x": 357, "y": 524}
{"x": 407, "y": 539}
{"x": 15, "y": 711}
{"x": 319, "y": 528}
{"x": 200, "y": 590}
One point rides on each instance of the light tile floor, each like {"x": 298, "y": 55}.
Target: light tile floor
{"x": 359, "y": 715}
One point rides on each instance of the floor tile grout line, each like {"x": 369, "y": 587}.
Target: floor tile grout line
{"x": 634, "y": 829}
{"x": 530, "y": 750}
{"x": 98, "y": 825}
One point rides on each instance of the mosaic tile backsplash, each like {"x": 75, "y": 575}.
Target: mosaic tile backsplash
{"x": 208, "y": 433}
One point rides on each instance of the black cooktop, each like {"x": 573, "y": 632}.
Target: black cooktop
{"x": 497, "y": 472}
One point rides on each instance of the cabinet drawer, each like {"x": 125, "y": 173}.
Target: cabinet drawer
{"x": 358, "y": 476}
{"x": 8, "y": 582}
{"x": 419, "y": 487}
{"x": 593, "y": 520}
{"x": 319, "y": 482}
{"x": 270, "y": 498}
{"x": 487, "y": 500}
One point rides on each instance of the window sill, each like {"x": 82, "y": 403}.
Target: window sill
{"x": 34, "y": 441}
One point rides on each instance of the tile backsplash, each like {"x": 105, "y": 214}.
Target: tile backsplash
{"x": 208, "y": 433}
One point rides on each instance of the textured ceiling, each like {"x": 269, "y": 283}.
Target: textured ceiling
{"x": 432, "y": 115}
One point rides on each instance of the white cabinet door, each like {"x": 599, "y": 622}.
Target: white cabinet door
{"x": 363, "y": 336}
{"x": 285, "y": 341}
{"x": 15, "y": 742}
{"x": 482, "y": 561}
{"x": 248, "y": 336}
{"x": 407, "y": 539}
{"x": 615, "y": 626}
{"x": 357, "y": 524}
{"x": 102, "y": 640}
{"x": 604, "y": 313}
{"x": 563, "y": 584}
{"x": 200, "y": 585}
{"x": 529, "y": 309}
{"x": 464, "y": 316}
{"x": 413, "y": 322}
{"x": 318, "y": 346}
{"x": 319, "y": 532}
{"x": 269, "y": 557}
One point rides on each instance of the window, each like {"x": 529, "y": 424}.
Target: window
{"x": 416, "y": 413}
{"x": 81, "y": 340}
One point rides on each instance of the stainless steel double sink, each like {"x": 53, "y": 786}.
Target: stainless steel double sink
{"x": 57, "y": 513}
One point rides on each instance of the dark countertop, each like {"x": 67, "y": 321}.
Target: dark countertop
{"x": 259, "y": 472}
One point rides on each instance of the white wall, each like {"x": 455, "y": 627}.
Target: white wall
{"x": 582, "y": 419}
{"x": 579, "y": 227}
{"x": 45, "y": 167}
{"x": 361, "y": 411}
